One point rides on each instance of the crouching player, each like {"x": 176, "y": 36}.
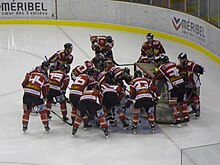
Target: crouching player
{"x": 145, "y": 93}
{"x": 90, "y": 104}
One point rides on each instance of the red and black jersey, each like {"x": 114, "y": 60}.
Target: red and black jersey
{"x": 141, "y": 87}
{"x": 107, "y": 88}
{"x": 81, "y": 69}
{"x": 100, "y": 43}
{"x": 80, "y": 84}
{"x": 152, "y": 49}
{"x": 58, "y": 80}
{"x": 36, "y": 84}
{"x": 189, "y": 72}
{"x": 92, "y": 95}
{"x": 170, "y": 72}
{"x": 61, "y": 57}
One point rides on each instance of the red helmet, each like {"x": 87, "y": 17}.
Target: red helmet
{"x": 88, "y": 64}
{"x": 102, "y": 43}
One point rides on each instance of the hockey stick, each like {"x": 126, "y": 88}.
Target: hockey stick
{"x": 125, "y": 64}
{"x": 61, "y": 118}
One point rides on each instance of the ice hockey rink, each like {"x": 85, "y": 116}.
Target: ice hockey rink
{"x": 22, "y": 47}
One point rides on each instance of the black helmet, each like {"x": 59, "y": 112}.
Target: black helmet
{"x": 109, "y": 39}
{"x": 137, "y": 73}
{"x": 182, "y": 56}
{"x": 45, "y": 64}
{"x": 149, "y": 36}
{"x": 164, "y": 58}
{"x": 68, "y": 45}
{"x": 127, "y": 70}
{"x": 65, "y": 67}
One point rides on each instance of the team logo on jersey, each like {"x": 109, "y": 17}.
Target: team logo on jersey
{"x": 176, "y": 23}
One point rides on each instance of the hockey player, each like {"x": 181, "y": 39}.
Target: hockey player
{"x": 168, "y": 72}
{"x": 102, "y": 45}
{"x": 81, "y": 69}
{"x": 77, "y": 88}
{"x": 190, "y": 72}
{"x": 90, "y": 103}
{"x": 112, "y": 94}
{"x": 150, "y": 49}
{"x": 118, "y": 74}
{"x": 59, "y": 80}
{"x": 43, "y": 68}
{"x": 145, "y": 93}
{"x": 62, "y": 57}
{"x": 35, "y": 87}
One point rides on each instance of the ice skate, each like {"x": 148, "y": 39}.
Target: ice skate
{"x": 152, "y": 127}
{"x": 176, "y": 124}
{"x": 25, "y": 128}
{"x": 125, "y": 125}
{"x": 47, "y": 128}
{"x": 106, "y": 132}
{"x": 74, "y": 131}
{"x": 65, "y": 118}
{"x": 197, "y": 114}
{"x": 86, "y": 126}
{"x": 134, "y": 129}
{"x": 186, "y": 121}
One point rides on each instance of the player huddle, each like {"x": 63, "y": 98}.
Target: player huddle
{"x": 99, "y": 88}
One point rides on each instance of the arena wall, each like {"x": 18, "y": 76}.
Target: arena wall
{"x": 164, "y": 23}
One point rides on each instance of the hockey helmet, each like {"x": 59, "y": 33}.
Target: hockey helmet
{"x": 88, "y": 64}
{"x": 102, "y": 43}
{"x": 65, "y": 67}
{"x": 68, "y": 45}
{"x": 108, "y": 38}
{"x": 127, "y": 70}
{"x": 137, "y": 73}
{"x": 164, "y": 58}
{"x": 182, "y": 56}
{"x": 45, "y": 64}
{"x": 149, "y": 36}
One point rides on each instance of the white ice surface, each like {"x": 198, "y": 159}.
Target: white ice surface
{"x": 22, "y": 47}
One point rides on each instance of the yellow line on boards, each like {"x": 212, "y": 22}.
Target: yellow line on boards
{"x": 116, "y": 27}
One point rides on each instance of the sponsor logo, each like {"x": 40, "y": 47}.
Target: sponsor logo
{"x": 15, "y": 8}
{"x": 189, "y": 28}
{"x": 176, "y": 23}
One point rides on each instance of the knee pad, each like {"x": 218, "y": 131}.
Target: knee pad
{"x": 151, "y": 110}
{"x": 118, "y": 108}
{"x": 100, "y": 113}
{"x": 60, "y": 98}
{"x": 39, "y": 108}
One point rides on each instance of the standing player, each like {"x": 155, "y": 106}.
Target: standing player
{"x": 151, "y": 49}
{"x": 62, "y": 57}
{"x": 59, "y": 81}
{"x": 175, "y": 85}
{"x": 35, "y": 87}
{"x": 145, "y": 93}
{"x": 190, "y": 72}
{"x": 102, "y": 45}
